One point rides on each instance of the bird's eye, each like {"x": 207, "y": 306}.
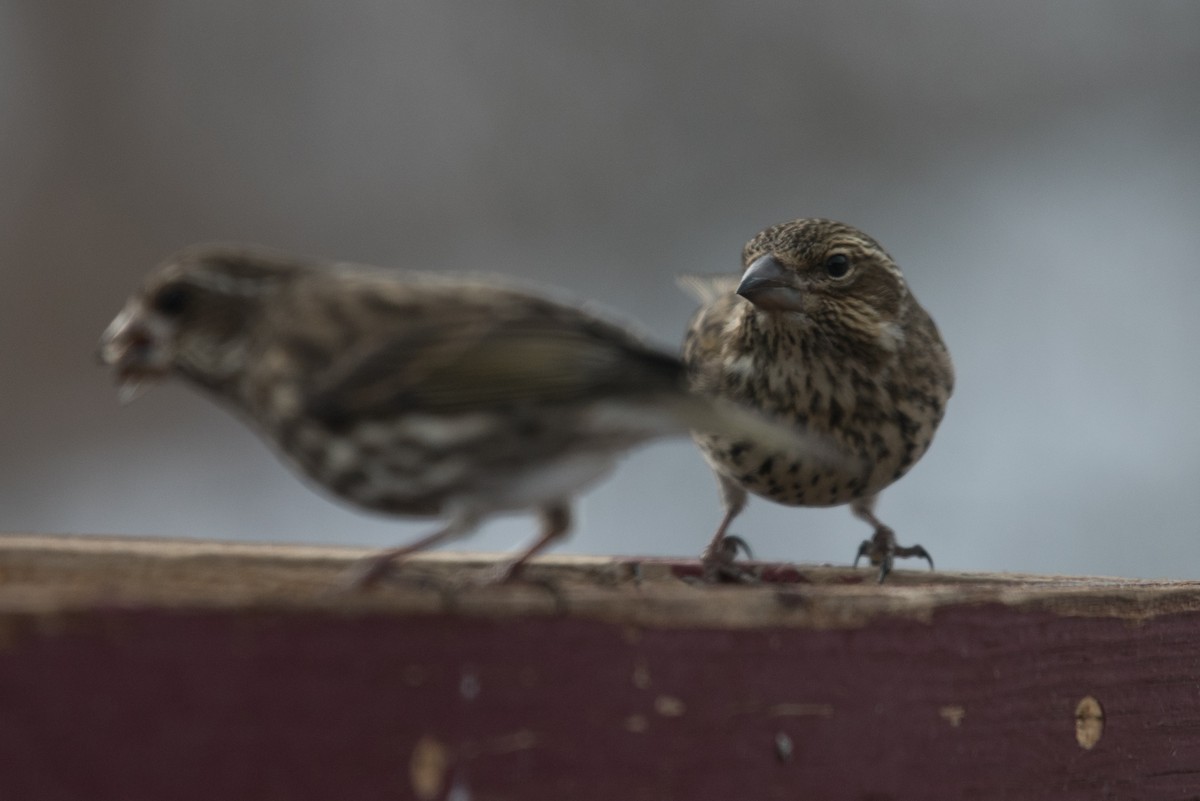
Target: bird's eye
{"x": 837, "y": 265}
{"x": 172, "y": 300}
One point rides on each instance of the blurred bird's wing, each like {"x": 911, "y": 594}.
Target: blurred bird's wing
{"x": 707, "y": 288}
{"x": 457, "y": 354}
{"x": 463, "y": 356}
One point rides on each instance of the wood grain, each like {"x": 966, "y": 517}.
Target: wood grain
{"x": 135, "y": 669}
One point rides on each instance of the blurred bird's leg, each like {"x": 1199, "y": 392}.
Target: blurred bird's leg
{"x": 556, "y": 522}
{"x": 882, "y": 549}
{"x": 718, "y": 558}
{"x": 371, "y": 569}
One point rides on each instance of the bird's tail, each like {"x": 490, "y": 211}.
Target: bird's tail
{"x": 725, "y": 418}
{"x": 707, "y": 288}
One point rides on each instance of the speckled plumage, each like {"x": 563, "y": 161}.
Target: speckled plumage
{"x": 407, "y": 393}
{"x": 852, "y": 356}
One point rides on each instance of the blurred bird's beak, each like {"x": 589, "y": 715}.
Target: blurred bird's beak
{"x": 133, "y": 346}
{"x": 769, "y": 285}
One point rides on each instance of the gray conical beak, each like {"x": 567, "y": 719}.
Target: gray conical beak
{"x": 768, "y": 284}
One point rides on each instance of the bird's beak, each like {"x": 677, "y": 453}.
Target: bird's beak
{"x": 770, "y": 286}
{"x": 134, "y": 346}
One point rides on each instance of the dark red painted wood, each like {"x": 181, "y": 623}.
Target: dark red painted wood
{"x": 128, "y": 704}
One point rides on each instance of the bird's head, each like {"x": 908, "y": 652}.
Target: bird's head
{"x": 827, "y": 274}
{"x": 194, "y": 316}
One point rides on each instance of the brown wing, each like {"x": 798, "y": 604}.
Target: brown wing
{"x": 445, "y": 349}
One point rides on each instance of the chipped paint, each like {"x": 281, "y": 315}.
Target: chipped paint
{"x": 1089, "y": 722}
{"x": 469, "y": 686}
{"x": 427, "y": 768}
{"x": 784, "y": 748}
{"x": 669, "y": 706}
{"x": 952, "y": 714}
{"x": 641, "y": 675}
{"x": 636, "y": 723}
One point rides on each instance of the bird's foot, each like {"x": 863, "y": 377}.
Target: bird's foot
{"x": 719, "y": 563}
{"x": 513, "y": 573}
{"x": 507, "y": 572}
{"x": 371, "y": 571}
{"x": 367, "y": 572}
{"x": 881, "y": 550}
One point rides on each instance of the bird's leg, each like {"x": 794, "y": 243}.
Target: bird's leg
{"x": 881, "y": 549}
{"x": 718, "y": 558}
{"x": 556, "y": 522}
{"x": 371, "y": 569}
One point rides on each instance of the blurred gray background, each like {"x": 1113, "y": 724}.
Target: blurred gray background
{"x": 1034, "y": 168}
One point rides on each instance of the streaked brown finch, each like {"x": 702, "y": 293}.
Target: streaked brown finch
{"x": 410, "y": 394}
{"x": 820, "y": 330}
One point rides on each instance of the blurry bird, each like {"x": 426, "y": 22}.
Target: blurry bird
{"x": 407, "y": 393}
{"x": 822, "y": 331}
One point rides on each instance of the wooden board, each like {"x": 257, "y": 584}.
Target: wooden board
{"x": 137, "y": 669}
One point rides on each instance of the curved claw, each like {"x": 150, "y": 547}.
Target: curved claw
{"x": 719, "y": 562}
{"x": 882, "y": 550}
{"x": 731, "y": 544}
{"x": 864, "y": 550}
{"x": 913, "y": 551}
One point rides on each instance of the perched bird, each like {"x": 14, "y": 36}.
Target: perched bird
{"x": 411, "y": 394}
{"x": 822, "y": 331}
